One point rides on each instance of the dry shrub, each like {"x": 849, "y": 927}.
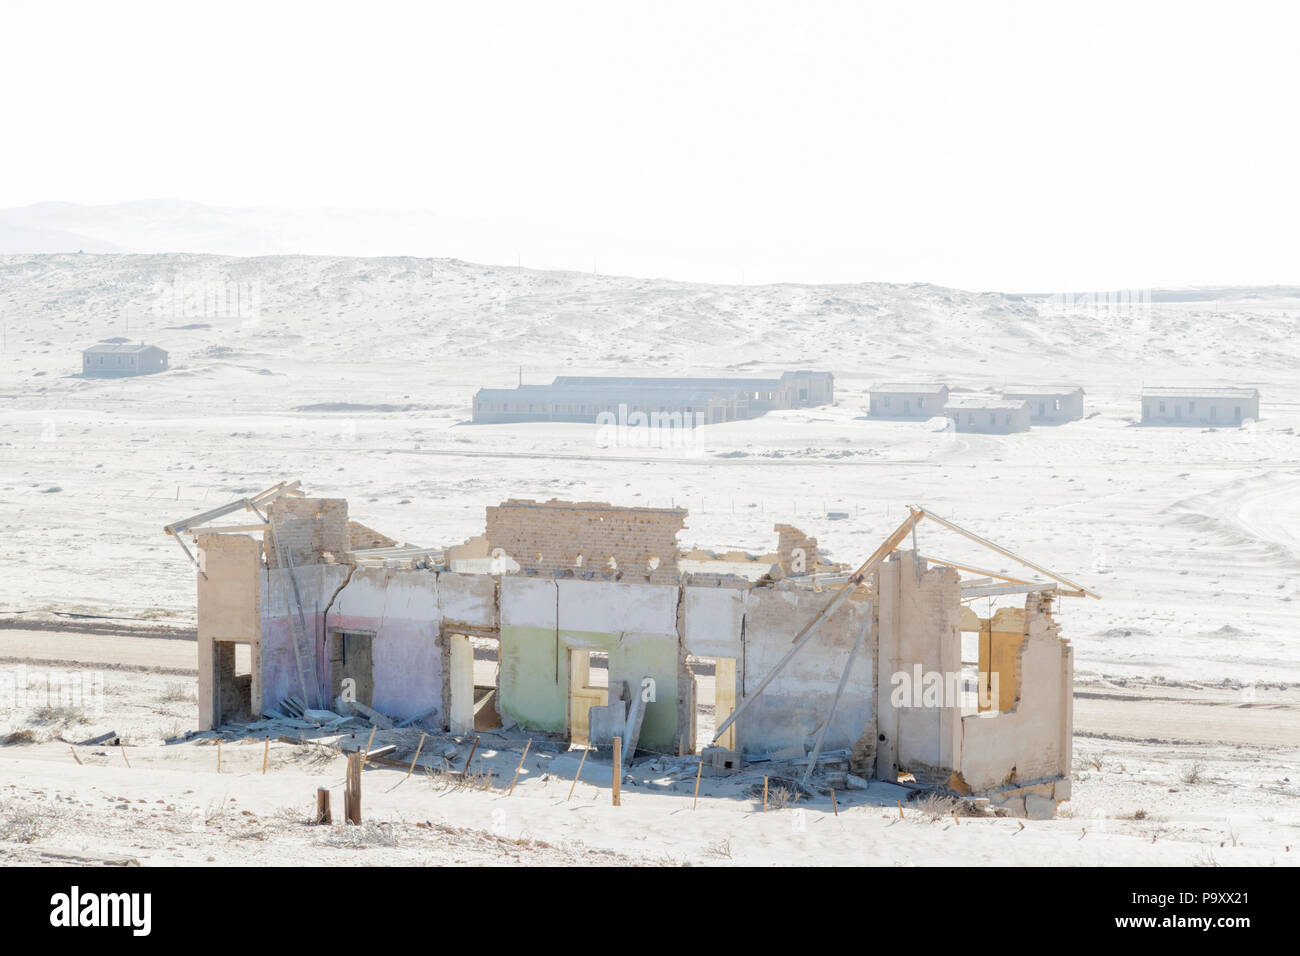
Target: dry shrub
{"x": 361, "y": 837}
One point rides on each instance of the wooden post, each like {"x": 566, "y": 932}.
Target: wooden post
{"x": 323, "y": 805}
{"x": 266, "y": 755}
{"x": 576, "y": 776}
{"x": 122, "y": 747}
{"x": 698, "y": 772}
{"x": 472, "y": 751}
{"x": 74, "y": 755}
{"x": 416, "y": 757}
{"x": 352, "y": 789}
{"x": 522, "y": 757}
{"x": 834, "y": 805}
{"x": 765, "y": 794}
{"x": 369, "y": 741}
{"x": 900, "y": 808}
{"x": 618, "y": 768}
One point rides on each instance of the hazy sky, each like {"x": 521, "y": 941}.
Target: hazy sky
{"x": 1044, "y": 146}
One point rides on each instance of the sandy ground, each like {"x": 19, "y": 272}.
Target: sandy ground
{"x": 1163, "y": 775}
{"x": 357, "y": 376}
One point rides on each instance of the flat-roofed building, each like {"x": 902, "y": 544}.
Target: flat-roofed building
{"x": 1048, "y": 404}
{"x": 913, "y": 400}
{"x": 583, "y": 398}
{"x": 1177, "y": 405}
{"x": 122, "y": 358}
{"x": 988, "y": 413}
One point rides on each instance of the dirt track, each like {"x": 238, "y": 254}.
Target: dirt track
{"x": 1145, "y": 713}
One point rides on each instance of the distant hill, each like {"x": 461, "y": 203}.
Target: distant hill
{"x": 483, "y": 322}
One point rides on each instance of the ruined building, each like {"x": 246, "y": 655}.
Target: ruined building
{"x": 575, "y": 619}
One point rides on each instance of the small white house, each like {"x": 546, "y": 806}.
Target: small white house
{"x": 1227, "y": 407}
{"x": 988, "y": 414}
{"x": 1048, "y": 404}
{"x": 122, "y": 358}
{"x": 908, "y": 400}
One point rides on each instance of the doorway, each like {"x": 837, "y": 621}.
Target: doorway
{"x": 352, "y": 658}
{"x": 232, "y": 676}
{"x": 588, "y": 688}
{"x": 714, "y": 697}
{"x": 475, "y": 668}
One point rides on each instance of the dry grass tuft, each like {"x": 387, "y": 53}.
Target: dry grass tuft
{"x": 361, "y": 837}
{"x": 59, "y": 715}
{"x": 176, "y": 692}
{"x": 20, "y": 823}
{"x": 440, "y": 778}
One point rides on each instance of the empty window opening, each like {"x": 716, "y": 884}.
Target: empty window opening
{"x": 990, "y": 659}
{"x": 352, "y": 659}
{"x": 713, "y": 691}
{"x": 588, "y": 688}
{"x": 232, "y": 676}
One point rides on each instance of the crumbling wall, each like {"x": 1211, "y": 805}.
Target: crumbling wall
{"x": 919, "y": 659}
{"x": 360, "y": 537}
{"x": 307, "y": 527}
{"x": 317, "y": 584}
{"x": 400, "y": 609}
{"x": 543, "y": 620}
{"x": 1033, "y": 743}
{"x": 588, "y": 539}
{"x": 787, "y": 715}
{"x": 796, "y": 551}
{"x": 229, "y": 602}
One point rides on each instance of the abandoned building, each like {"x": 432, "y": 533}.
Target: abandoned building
{"x": 122, "y": 358}
{"x": 1048, "y": 404}
{"x": 694, "y": 401}
{"x": 988, "y": 414}
{"x": 574, "y": 619}
{"x": 1199, "y": 406}
{"x": 913, "y": 401}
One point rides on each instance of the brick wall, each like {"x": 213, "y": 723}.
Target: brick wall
{"x": 361, "y": 537}
{"x": 307, "y": 527}
{"x": 582, "y": 537}
{"x": 790, "y": 539}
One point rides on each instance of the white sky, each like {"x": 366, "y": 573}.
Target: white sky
{"x": 1013, "y": 146}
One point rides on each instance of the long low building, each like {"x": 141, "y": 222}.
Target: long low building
{"x": 1048, "y": 404}
{"x": 123, "y": 358}
{"x": 914, "y": 400}
{"x": 1166, "y": 405}
{"x": 990, "y": 414}
{"x": 693, "y": 401}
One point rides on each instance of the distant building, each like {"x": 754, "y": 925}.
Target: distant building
{"x": 1048, "y": 404}
{"x": 1199, "y": 406}
{"x": 122, "y": 358}
{"x": 989, "y": 414}
{"x": 908, "y": 400}
{"x": 697, "y": 401}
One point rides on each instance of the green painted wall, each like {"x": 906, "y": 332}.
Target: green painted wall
{"x": 531, "y": 695}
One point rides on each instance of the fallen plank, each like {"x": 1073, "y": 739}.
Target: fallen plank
{"x": 374, "y": 716}
{"x": 412, "y": 720}
{"x": 385, "y": 751}
{"x": 101, "y": 739}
